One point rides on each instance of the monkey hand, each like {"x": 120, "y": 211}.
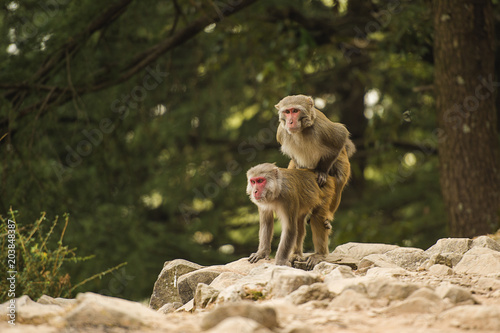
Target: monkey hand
{"x": 322, "y": 177}
{"x": 254, "y": 257}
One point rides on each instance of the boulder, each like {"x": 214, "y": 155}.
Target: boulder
{"x": 313, "y": 292}
{"x": 407, "y": 257}
{"x": 165, "y": 287}
{"x": 265, "y": 316}
{"x": 169, "y": 307}
{"x": 98, "y": 310}
{"x": 285, "y": 280}
{"x": 479, "y": 260}
{"x": 455, "y": 294}
{"x": 487, "y": 242}
{"x": 439, "y": 269}
{"x": 324, "y": 268}
{"x": 376, "y": 260}
{"x": 450, "y": 245}
{"x": 240, "y": 325}
{"x": 388, "y": 272}
{"x": 188, "y": 282}
{"x": 350, "y": 299}
{"x": 341, "y": 272}
{"x": 30, "y": 312}
{"x": 64, "y": 302}
{"x": 360, "y": 250}
{"x": 204, "y": 296}
{"x": 472, "y": 317}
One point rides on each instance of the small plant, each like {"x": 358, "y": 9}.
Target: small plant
{"x": 33, "y": 265}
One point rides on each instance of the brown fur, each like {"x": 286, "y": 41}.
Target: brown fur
{"x": 292, "y": 194}
{"x": 321, "y": 144}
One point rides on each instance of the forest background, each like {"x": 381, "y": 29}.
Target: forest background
{"x": 139, "y": 120}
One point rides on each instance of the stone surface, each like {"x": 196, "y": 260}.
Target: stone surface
{"x": 204, "y": 295}
{"x": 472, "y": 317}
{"x": 165, "y": 287}
{"x": 360, "y": 250}
{"x": 313, "y": 292}
{"x": 265, "y": 316}
{"x": 188, "y": 282}
{"x": 285, "y": 280}
{"x": 486, "y": 242}
{"x": 450, "y": 245}
{"x": 264, "y": 298}
{"x": 479, "y": 260}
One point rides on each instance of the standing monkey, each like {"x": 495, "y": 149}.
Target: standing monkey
{"x": 291, "y": 194}
{"x": 312, "y": 141}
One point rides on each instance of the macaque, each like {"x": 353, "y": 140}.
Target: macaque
{"x": 312, "y": 141}
{"x": 292, "y": 194}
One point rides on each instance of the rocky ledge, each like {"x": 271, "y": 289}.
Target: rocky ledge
{"x": 454, "y": 286}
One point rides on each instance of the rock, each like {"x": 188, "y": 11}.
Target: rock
{"x": 241, "y": 266}
{"x": 324, "y": 268}
{"x": 240, "y": 325}
{"x": 479, "y": 260}
{"x": 471, "y": 317}
{"x": 225, "y": 280}
{"x": 313, "y": 292}
{"x": 407, "y": 257}
{"x": 341, "y": 259}
{"x": 488, "y": 284}
{"x": 339, "y": 286}
{"x": 44, "y": 299}
{"x": 426, "y": 293}
{"x": 454, "y": 293}
{"x": 389, "y": 272}
{"x": 285, "y": 280}
{"x": 204, "y": 295}
{"x": 265, "y": 316}
{"x": 169, "y": 307}
{"x": 360, "y": 250}
{"x": 165, "y": 288}
{"x": 440, "y": 270}
{"x": 450, "y": 245}
{"x": 415, "y": 305}
{"x": 341, "y": 272}
{"x": 390, "y": 289}
{"x": 188, "y": 282}
{"x": 350, "y": 299}
{"x": 30, "y": 312}
{"x": 487, "y": 242}
{"x": 449, "y": 259}
{"x": 94, "y": 310}
{"x": 376, "y": 260}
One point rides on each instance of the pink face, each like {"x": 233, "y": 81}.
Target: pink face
{"x": 292, "y": 119}
{"x": 258, "y": 184}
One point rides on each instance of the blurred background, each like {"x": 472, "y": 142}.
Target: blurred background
{"x": 139, "y": 120}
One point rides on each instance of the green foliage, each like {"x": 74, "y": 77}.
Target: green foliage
{"x": 34, "y": 262}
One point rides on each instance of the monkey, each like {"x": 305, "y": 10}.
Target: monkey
{"x": 292, "y": 194}
{"x": 312, "y": 141}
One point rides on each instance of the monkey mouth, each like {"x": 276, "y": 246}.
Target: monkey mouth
{"x": 292, "y": 130}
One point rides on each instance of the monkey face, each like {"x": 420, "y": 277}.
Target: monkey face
{"x": 296, "y": 113}
{"x": 292, "y": 119}
{"x": 257, "y": 188}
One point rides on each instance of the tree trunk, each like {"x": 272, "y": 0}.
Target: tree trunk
{"x": 468, "y": 142}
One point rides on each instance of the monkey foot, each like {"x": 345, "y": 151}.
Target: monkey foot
{"x": 254, "y": 257}
{"x": 296, "y": 257}
{"x": 313, "y": 260}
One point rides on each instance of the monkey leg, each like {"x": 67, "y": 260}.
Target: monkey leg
{"x": 287, "y": 241}
{"x": 320, "y": 239}
{"x": 297, "y": 254}
{"x": 265, "y": 236}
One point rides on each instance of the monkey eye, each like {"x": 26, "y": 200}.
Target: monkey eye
{"x": 295, "y": 110}
{"x": 252, "y": 181}
{"x": 286, "y": 111}
{"x": 260, "y": 181}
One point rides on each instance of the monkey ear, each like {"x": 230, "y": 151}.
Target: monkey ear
{"x": 277, "y": 106}
{"x": 310, "y": 100}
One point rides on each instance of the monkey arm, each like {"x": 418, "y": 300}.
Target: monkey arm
{"x": 266, "y": 217}
{"x": 323, "y": 168}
